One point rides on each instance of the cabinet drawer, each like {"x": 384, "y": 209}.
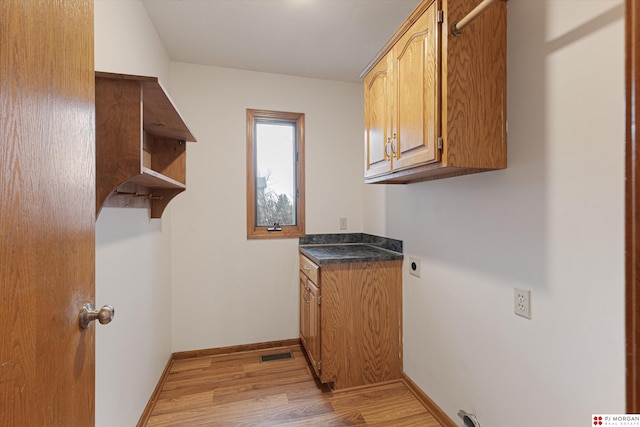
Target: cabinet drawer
{"x": 309, "y": 269}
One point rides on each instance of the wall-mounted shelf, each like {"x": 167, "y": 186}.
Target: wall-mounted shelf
{"x": 140, "y": 144}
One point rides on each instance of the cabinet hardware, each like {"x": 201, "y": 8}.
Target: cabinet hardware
{"x": 394, "y": 145}
{"x": 320, "y": 300}
{"x": 319, "y": 365}
{"x": 136, "y": 194}
{"x": 440, "y": 17}
{"x": 130, "y": 193}
{"x": 440, "y": 142}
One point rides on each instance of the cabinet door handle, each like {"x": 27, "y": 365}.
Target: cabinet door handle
{"x": 394, "y": 145}
{"x": 306, "y": 268}
{"x": 387, "y": 148}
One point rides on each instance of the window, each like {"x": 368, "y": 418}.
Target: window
{"x": 275, "y": 174}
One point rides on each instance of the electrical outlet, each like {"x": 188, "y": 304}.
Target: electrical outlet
{"x": 522, "y": 303}
{"x": 414, "y": 266}
{"x": 343, "y": 223}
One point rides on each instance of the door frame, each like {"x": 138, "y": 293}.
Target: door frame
{"x": 632, "y": 204}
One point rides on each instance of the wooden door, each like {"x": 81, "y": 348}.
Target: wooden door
{"x": 313, "y": 339}
{"x": 304, "y": 310}
{"x": 416, "y": 93}
{"x": 377, "y": 119}
{"x": 632, "y": 204}
{"x": 47, "y": 211}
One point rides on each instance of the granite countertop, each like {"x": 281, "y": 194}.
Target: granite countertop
{"x": 348, "y": 248}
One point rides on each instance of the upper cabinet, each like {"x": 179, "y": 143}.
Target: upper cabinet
{"x": 435, "y": 102}
{"x": 401, "y": 102}
{"x": 140, "y": 144}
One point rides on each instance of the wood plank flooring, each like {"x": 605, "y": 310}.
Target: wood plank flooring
{"x": 237, "y": 390}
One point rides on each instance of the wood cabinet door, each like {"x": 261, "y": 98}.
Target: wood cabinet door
{"x": 313, "y": 339}
{"x": 304, "y": 311}
{"x": 377, "y": 118}
{"x": 416, "y": 94}
{"x": 47, "y": 212}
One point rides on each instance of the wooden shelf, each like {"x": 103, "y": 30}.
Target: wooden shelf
{"x": 152, "y": 179}
{"x": 140, "y": 144}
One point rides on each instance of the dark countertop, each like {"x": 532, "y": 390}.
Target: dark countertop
{"x": 348, "y": 248}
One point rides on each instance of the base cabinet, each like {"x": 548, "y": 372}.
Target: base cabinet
{"x": 351, "y": 321}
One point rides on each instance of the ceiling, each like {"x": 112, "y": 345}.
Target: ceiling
{"x": 323, "y": 39}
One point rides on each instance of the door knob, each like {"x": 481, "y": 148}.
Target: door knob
{"x": 88, "y": 314}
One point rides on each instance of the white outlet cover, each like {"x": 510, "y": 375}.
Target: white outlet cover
{"x": 414, "y": 266}
{"x": 343, "y": 223}
{"x": 522, "y": 303}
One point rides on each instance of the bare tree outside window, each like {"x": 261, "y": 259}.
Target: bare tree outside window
{"x": 276, "y": 177}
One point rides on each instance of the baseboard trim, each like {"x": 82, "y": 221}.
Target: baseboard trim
{"x": 426, "y": 401}
{"x": 364, "y": 386}
{"x": 234, "y": 349}
{"x": 144, "y": 418}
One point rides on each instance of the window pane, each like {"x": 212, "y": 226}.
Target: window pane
{"x": 275, "y": 173}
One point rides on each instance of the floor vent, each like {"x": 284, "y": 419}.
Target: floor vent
{"x": 277, "y": 356}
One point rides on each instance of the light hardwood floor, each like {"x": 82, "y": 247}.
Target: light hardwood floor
{"x": 237, "y": 390}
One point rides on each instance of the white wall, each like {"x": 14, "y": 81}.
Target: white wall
{"x": 126, "y": 41}
{"x": 552, "y": 223}
{"x": 228, "y": 290}
{"x": 132, "y": 252}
